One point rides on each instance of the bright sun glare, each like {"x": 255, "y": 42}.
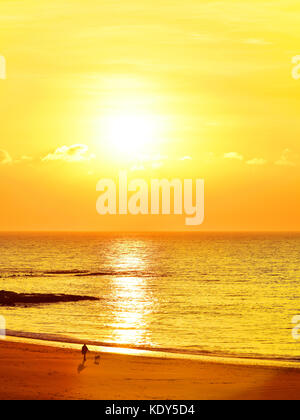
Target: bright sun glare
{"x": 131, "y": 133}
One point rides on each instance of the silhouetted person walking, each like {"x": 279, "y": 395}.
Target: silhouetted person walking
{"x": 84, "y": 352}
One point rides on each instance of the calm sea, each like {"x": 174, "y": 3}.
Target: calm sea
{"x": 219, "y": 294}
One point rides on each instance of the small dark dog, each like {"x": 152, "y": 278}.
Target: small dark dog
{"x": 97, "y": 360}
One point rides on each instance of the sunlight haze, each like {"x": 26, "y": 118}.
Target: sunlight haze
{"x": 194, "y": 89}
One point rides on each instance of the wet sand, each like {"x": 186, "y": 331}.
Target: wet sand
{"x": 31, "y": 371}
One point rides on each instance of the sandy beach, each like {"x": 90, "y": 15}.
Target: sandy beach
{"x": 30, "y": 371}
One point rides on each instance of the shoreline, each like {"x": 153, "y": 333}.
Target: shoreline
{"x": 115, "y": 348}
{"x": 31, "y": 371}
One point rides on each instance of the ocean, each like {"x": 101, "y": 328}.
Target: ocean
{"x": 220, "y": 294}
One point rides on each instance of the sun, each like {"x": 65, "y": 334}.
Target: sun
{"x": 131, "y": 133}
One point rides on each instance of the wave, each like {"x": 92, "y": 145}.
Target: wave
{"x": 82, "y": 273}
{"x": 121, "y": 273}
{"x": 127, "y": 273}
{"x": 17, "y": 275}
{"x": 58, "y": 272}
{"x": 13, "y": 299}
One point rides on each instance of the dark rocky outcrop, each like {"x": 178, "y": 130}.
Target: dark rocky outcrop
{"x": 13, "y": 299}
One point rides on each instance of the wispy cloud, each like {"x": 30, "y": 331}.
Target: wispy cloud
{"x": 75, "y": 153}
{"x": 285, "y": 159}
{"x": 5, "y": 157}
{"x": 233, "y": 155}
{"x": 146, "y": 162}
{"x": 26, "y": 158}
{"x": 256, "y": 162}
{"x": 255, "y": 41}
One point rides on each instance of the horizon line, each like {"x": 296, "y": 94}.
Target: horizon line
{"x": 150, "y": 231}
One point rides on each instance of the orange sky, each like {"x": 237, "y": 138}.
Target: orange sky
{"x": 194, "y": 89}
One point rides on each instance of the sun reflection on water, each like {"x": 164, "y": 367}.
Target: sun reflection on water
{"x": 132, "y": 300}
{"x": 131, "y": 308}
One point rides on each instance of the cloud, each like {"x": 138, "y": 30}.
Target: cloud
{"x": 26, "y": 158}
{"x": 254, "y": 41}
{"x": 285, "y": 159}
{"x": 136, "y": 168}
{"x": 256, "y": 162}
{"x": 233, "y": 155}
{"x": 5, "y": 157}
{"x": 75, "y": 153}
{"x": 146, "y": 162}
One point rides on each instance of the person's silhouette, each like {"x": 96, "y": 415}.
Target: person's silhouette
{"x": 84, "y": 352}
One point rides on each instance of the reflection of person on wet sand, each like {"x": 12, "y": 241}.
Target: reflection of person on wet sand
{"x": 84, "y": 351}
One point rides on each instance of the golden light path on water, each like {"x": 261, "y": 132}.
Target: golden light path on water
{"x": 130, "y": 321}
{"x": 133, "y": 303}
